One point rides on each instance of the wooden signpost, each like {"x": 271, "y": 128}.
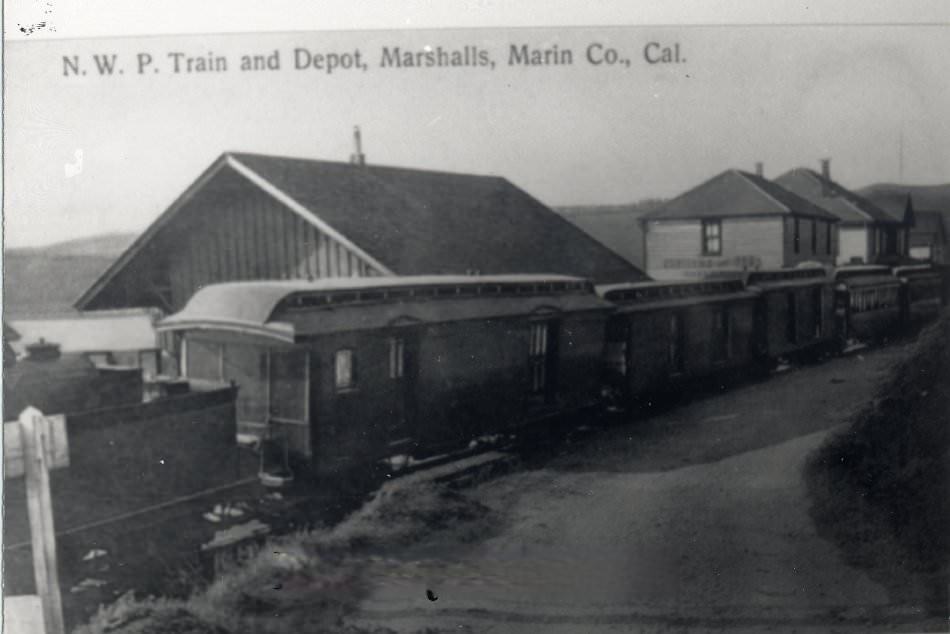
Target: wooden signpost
{"x": 32, "y": 446}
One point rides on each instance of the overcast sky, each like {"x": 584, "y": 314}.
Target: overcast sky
{"x": 578, "y": 134}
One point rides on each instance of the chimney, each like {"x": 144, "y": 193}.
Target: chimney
{"x": 759, "y": 169}
{"x": 42, "y": 350}
{"x": 357, "y": 158}
{"x": 826, "y": 176}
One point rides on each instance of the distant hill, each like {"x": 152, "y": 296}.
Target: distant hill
{"x": 104, "y": 245}
{"x": 615, "y": 226}
{"x": 892, "y": 198}
{"x": 45, "y": 281}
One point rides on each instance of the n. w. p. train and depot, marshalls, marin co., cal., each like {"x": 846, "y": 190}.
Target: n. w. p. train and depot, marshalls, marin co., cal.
{"x": 363, "y": 311}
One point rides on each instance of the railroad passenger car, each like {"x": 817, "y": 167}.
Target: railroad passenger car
{"x": 867, "y": 302}
{"x": 666, "y": 334}
{"x": 350, "y": 371}
{"x": 922, "y": 293}
{"x": 795, "y": 316}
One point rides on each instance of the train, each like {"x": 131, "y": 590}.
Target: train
{"x": 347, "y": 373}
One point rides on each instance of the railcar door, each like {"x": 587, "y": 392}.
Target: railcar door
{"x": 842, "y": 314}
{"x": 543, "y": 354}
{"x": 403, "y": 375}
{"x": 677, "y": 343}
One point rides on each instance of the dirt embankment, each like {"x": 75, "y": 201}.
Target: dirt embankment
{"x": 305, "y": 582}
{"x": 881, "y": 489}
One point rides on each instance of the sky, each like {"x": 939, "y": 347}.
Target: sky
{"x": 567, "y": 134}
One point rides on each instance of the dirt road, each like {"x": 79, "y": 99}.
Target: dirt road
{"x": 695, "y": 520}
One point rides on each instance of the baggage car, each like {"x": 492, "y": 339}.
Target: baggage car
{"x": 352, "y": 370}
{"x": 795, "y": 315}
{"x": 666, "y": 335}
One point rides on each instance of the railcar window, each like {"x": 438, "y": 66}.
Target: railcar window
{"x": 537, "y": 353}
{"x": 712, "y": 237}
{"x": 344, "y": 364}
{"x": 397, "y": 356}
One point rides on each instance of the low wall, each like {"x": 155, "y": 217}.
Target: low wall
{"x": 122, "y": 460}
{"x": 68, "y": 385}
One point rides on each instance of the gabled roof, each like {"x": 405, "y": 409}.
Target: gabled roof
{"x": 421, "y": 222}
{"x": 409, "y": 221}
{"x": 848, "y": 206}
{"x": 735, "y": 193}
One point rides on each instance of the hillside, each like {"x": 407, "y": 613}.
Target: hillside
{"x": 880, "y": 488}
{"x": 45, "y": 281}
{"x": 615, "y": 226}
{"x": 892, "y": 198}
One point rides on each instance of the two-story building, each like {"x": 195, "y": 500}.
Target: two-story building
{"x": 736, "y": 222}
{"x": 867, "y": 233}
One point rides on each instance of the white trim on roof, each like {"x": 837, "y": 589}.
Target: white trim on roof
{"x": 284, "y": 198}
{"x": 143, "y": 238}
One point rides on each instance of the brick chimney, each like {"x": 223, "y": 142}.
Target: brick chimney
{"x": 759, "y": 169}
{"x": 42, "y": 350}
{"x": 826, "y": 176}
{"x": 357, "y": 157}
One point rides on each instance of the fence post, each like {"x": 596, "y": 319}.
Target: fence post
{"x": 36, "y": 435}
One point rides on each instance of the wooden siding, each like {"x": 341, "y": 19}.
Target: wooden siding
{"x": 674, "y": 248}
{"x": 805, "y": 252}
{"x": 229, "y": 231}
{"x": 255, "y": 238}
{"x": 854, "y": 243}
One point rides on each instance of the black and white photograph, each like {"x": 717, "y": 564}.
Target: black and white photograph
{"x": 625, "y": 327}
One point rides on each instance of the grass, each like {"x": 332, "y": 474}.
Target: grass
{"x": 308, "y": 581}
{"x": 880, "y": 488}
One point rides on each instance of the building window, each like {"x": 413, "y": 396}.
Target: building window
{"x": 722, "y": 335}
{"x": 712, "y": 237}
{"x": 797, "y": 237}
{"x": 828, "y": 238}
{"x": 537, "y": 354}
{"x": 814, "y": 236}
{"x": 397, "y": 358}
{"x": 791, "y": 319}
{"x": 345, "y": 369}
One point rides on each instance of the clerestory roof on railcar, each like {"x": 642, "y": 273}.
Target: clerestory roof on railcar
{"x": 780, "y": 279}
{"x": 645, "y": 296}
{"x": 288, "y": 310}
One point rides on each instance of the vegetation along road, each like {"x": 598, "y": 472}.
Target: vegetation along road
{"x": 697, "y": 518}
